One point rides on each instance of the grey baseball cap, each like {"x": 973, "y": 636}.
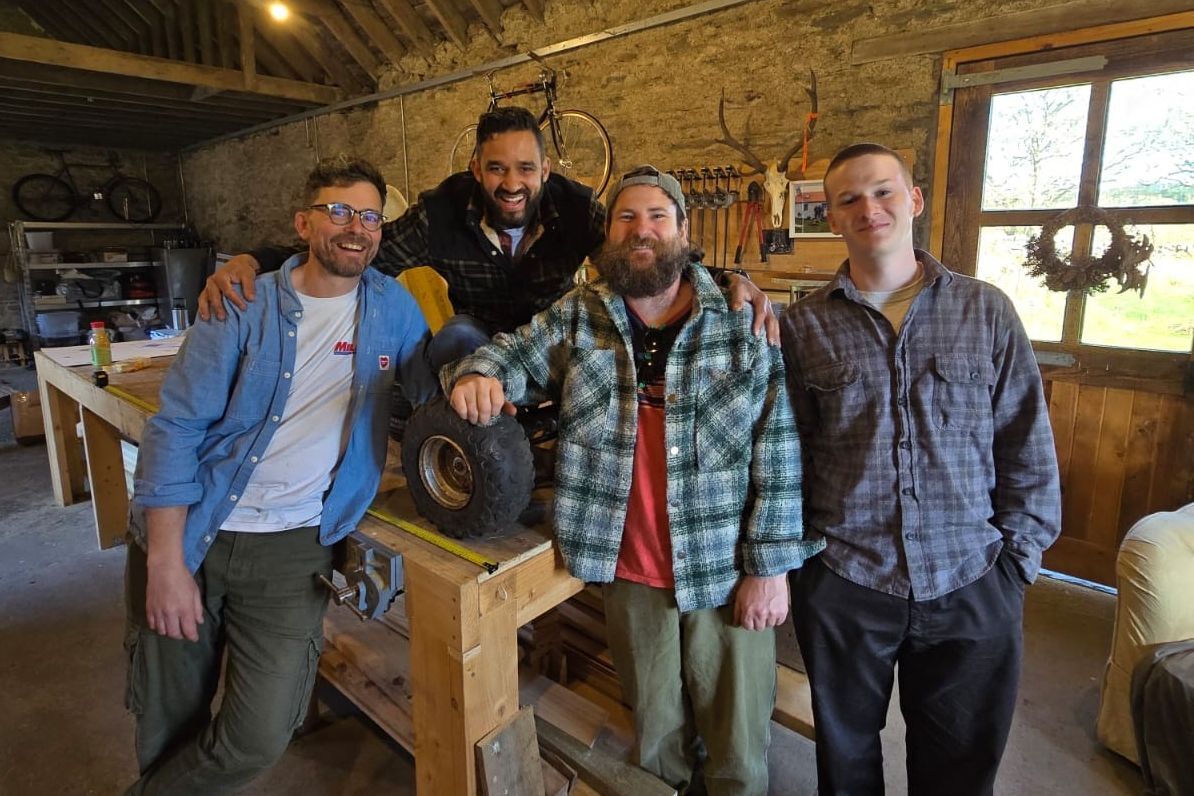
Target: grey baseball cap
{"x": 648, "y": 175}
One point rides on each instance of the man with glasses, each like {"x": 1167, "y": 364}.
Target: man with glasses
{"x": 507, "y": 236}
{"x": 266, "y": 450}
{"x": 677, "y": 483}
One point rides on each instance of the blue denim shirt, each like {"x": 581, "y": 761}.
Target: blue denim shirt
{"x": 223, "y": 397}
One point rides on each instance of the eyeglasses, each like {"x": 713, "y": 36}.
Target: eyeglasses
{"x": 341, "y": 215}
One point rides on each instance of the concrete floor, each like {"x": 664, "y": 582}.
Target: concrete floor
{"x": 64, "y": 730}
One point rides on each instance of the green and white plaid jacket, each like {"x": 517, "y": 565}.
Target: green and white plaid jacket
{"x": 734, "y": 479}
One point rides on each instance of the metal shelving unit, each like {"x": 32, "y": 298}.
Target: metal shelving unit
{"x": 137, "y": 236}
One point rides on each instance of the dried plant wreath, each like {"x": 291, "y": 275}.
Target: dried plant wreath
{"x": 1126, "y": 259}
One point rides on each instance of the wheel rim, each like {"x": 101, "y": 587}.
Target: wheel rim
{"x": 445, "y": 472}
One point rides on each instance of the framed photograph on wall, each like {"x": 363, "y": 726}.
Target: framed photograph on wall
{"x": 807, "y": 209}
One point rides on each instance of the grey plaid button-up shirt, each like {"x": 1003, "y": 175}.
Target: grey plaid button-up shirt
{"x": 927, "y": 451}
{"x": 733, "y": 472}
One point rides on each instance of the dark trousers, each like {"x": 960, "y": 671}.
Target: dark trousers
{"x": 959, "y": 670}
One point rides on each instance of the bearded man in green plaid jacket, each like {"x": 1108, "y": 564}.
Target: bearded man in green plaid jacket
{"x": 678, "y": 483}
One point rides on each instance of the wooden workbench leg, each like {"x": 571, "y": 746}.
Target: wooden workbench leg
{"x": 464, "y": 674}
{"x": 105, "y": 472}
{"x": 60, "y": 413}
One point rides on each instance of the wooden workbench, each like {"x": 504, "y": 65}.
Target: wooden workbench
{"x": 463, "y": 622}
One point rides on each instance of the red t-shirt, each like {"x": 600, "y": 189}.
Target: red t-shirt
{"x": 646, "y": 553}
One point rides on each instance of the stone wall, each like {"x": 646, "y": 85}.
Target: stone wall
{"x": 655, "y": 91}
{"x": 18, "y": 158}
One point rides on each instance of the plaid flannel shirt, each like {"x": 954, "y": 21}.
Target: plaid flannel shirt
{"x": 927, "y": 452}
{"x": 734, "y": 480}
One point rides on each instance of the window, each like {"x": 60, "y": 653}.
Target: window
{"x": 1120, "y": 138}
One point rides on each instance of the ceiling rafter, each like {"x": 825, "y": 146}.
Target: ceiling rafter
{"x": 490, "y": 12}
{"x": 127, "y": 24}
{"x": 410, "y": 23}
{"x": 536, "y": 9}
{"x": 357, "y": 49}
{"x": 104, "y": 33}
{"x": 451, "y": 20}
{"x": 376, "y": 30}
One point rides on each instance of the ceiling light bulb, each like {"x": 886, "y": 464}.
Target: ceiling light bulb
{"x": 279, "y": 11}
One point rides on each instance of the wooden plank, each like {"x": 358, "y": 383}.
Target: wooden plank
{"x": 186, "y": 27}
{"x": 412, "y": 25}
{"x": 1005, "y": 27}
{"x": 60, "y": 412}
{"x": 152, "y": 22}
{"x": 246, "y": 37}
{"x": 1173, "y": 485}
{"x": 59, "y": 26}
{"x": 335, "y": 668}
{"x": 1078, "y": 488}
{"x": 206, "y": 43}
{"x": 127, "y": 24}
{"x": 490, "y": 12}
{"x": 794, "y": 702}
{"x": 535, "y": 9}
{"x": 225, "y": 34}
{"x": 105, "y": 473}
{"x": 1106, "y": 471}
{"x": 1077, "y": 36}
{"x": 348, "y": 38}
{"x": 607, "y": 775}
{"x": 453, "y": 22}
{"x": 99, "y": 24}
{"x": 562, "y": 708}
{"x": 32, "y": 49}
{"x": 1063, "y": 408}
{"x": 383, "y": 39}
{"x": 1139, "y": 458}
{"x": 508, "y": 758}
{"x": 320, "y": 53}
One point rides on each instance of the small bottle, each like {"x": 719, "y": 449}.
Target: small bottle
{"x": 101, "y": 345}
{"x": 178, "y": 316}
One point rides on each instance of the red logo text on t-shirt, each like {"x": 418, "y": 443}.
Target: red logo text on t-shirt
{"x": 344, "y": 348}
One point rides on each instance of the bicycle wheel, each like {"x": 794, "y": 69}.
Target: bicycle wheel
{"x": 131, "y": 199}
{"x": 582, "y": 149}
{"x": 462, "y": 149}
{"x": 44, "y": 197}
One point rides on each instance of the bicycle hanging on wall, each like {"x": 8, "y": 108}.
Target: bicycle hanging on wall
{"x": 580, "y": 144}
{"x": 55, "y": 197}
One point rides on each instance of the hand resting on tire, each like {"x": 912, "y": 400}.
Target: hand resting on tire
{"x": 478, "y": 399}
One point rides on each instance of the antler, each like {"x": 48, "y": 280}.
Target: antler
{"x": 751, "y": 158}
{"x": 807, "y": 133}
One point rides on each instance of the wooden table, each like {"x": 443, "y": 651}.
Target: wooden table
{"x": 463, "y": 621}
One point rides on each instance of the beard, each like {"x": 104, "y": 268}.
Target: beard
{"x": 499, "y": 218}
{"x": 626, "y": 278}
{"x": 341, "y": 262}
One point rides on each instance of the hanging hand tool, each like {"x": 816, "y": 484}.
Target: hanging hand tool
{"x": 730, "y": 198}
{"x": 754, "y": 215}
{"x": 692, "y": 201}
{"x": 713, "y": 200}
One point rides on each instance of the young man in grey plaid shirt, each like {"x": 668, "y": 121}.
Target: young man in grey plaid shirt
{"x": 677, "y": 482}
{"x": 931, "y": 473}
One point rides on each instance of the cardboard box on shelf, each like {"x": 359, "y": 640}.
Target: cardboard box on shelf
{"x": 27, "y": 425}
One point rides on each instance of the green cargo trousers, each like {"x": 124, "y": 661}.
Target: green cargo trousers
{"x": 690, "y": 675}
{"x": 263, "y": 606}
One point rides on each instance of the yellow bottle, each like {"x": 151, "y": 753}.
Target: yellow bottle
{"x": 101, "y": 345}
{"x": 129, "y": 365}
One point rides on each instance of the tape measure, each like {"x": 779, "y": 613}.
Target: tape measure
{"x": 134, "y": 400}
{"x": 431, "y": 537}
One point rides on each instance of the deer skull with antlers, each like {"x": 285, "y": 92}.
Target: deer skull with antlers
{"x": 775, "y": 174}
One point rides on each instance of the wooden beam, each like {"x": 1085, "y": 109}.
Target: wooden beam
{"x": 490, "y": 12}
{"x": 1006, "y": 27}
{"x": 93, "y": 59}
{"x": 453, "y": 22}
{"x": 170, "y": 30}
{"x": 225, "y": 24}
{"x": 370, "y": 23}
{"x": 138, "y": 35}
{"x": 348, "y": 38}
{"x": 151, "y": 21}
{"x": 87, "y": 17}
{"x": 287, "y": 48}
{"x": 535, "y": 9}
{"x": 247, "y": 35}
{"x": 329, "y": 61}
{"x": 207, "y": 39}
{"x": 32, "y": 99}
{"x": 411, "y": 24}
{"x": 57, "y": 27}
{"x": 186, "y": 25}
{"x": 59, "y": 78}
{"x": 76, "y": 117}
